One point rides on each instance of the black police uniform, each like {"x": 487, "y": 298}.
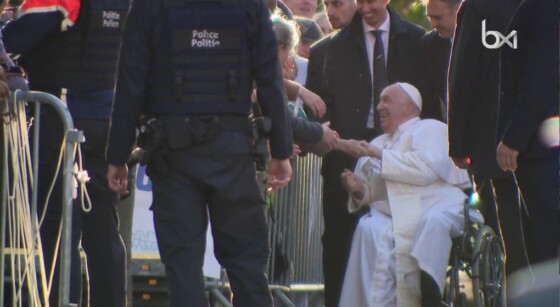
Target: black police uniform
{"x": 191, "y": 65}
{"x": 82, "y": 60}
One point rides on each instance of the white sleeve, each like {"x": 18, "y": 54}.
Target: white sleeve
{"x": 427, "y": 148}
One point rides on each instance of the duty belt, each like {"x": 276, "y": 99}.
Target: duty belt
{"x": 226, "y": 122}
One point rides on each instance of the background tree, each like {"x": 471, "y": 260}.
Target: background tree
{"x": 411, "y": 10}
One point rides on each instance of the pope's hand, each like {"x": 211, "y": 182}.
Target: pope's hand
{"x": 353, "y": 184}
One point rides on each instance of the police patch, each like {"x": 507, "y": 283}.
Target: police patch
{"x": 206, "y": 38}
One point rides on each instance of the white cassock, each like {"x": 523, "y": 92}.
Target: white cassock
{"x": 416, "y": 206}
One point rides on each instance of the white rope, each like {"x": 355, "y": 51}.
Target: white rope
{"x": 26, "y": 274}
{"x": 51, "y": 187}
{"x": 81, "y": 177}
{"x": 22, "y": 256}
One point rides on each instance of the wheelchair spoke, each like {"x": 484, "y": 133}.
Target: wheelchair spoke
{"x": 493, "y": 272}
{"x": 488, "y": 271}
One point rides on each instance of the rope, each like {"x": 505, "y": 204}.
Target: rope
{"x": 81, "y": 177}
{"x": 26, "y": 274}
{"x": 522, "y": 205}
{"x": 22, "y": 258}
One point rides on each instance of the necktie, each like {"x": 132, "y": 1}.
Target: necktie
{"x": 379, "y": 74}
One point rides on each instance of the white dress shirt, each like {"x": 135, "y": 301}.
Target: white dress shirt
{"x": 370, "y": 43}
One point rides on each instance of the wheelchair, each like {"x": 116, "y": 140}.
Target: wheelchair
{"x": 479, "y": 253}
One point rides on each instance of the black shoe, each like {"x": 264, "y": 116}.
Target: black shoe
{"x": 430, "y": 291}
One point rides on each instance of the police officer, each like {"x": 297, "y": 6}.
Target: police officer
{"x": 189, "y": 66}
{"x": 75, "y": 47}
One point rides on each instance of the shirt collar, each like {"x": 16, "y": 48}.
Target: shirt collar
{"x": 402, "y": 127}
{"x": 385, "y": 26}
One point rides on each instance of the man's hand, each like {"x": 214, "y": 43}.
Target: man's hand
{"x": 506, "y": 157}
{"x": 313, "y": 102}
{"x": 353, "y": 148}
{"x": 289, "y": 69}
{"x": 353, "y": 184}
{"x": 330, "y": 137}
{"x": 117, "y": 177}
{"x": 279, "y": 174}
{"x": 371, "y": 151}
{"x": 462, "y": 162}
{"x": 296, "y": 151}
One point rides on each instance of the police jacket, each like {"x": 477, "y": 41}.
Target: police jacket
{"x": 78, "y": 53}
{"x": 197, "y": 57}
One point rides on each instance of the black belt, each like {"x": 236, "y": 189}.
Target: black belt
{"x": 234, "y": 122}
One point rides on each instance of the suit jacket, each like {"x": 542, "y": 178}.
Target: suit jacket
{"x": 529, "y": 85}
{"x": 317, "y": 80}
{"x": 474, "y": 84}
{"x": 435, "y": 58}
{"x": 305, "y": 131}
{"x": 339, "y": 72}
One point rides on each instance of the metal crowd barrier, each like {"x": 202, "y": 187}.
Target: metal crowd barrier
{"x": 296, "y": 227}
{"x": 34, "y": 100}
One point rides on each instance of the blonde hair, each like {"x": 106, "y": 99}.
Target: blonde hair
{"x": 287, "y": 32}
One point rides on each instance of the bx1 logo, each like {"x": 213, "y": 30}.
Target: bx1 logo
{"x": 500, "y": 39}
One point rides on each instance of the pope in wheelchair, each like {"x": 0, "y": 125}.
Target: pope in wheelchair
{"x": 412, "y": 196}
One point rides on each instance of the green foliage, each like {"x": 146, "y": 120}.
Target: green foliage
{"x": 411, "y": 10}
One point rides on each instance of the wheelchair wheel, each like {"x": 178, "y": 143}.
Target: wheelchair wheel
{"x": 453, "y": 293}
{"x": 488, "y": 269}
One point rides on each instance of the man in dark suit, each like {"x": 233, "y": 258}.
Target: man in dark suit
{"x": 340, "y": 71}
{"x": 340, "y": 13}
{"x": 472, "y": 118}
{"x": 436, "y": 49}
{"x": 529, "y": 96}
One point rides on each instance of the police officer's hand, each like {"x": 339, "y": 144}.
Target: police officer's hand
{"x": 279, "y": 174}
{"x": 117, "y": 177}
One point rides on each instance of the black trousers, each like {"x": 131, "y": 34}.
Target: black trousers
{"x": 212, "y": 181}
{"x": 538, "y": 182}
{"x": 337, "y": 238}
{"x": 499, "y": 201}
{"x": 97, "y": 229}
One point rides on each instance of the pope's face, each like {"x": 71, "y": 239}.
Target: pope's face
{"x": 393, "y": 108}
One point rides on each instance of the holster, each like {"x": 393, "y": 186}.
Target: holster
{"x": 261, "y": 127}
{"x": 157, "y": 135}
{"x": 151, "y": 140}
